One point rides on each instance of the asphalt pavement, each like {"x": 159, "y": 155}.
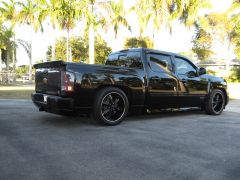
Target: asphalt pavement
{"x": 187, "y": 145}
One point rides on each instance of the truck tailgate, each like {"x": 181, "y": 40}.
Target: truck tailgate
{"x": 48, "y": 77}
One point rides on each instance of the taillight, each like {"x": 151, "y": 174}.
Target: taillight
{"x": 67, "y": 81}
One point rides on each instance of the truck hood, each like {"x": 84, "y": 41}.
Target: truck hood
{"x": 215, "y": 79}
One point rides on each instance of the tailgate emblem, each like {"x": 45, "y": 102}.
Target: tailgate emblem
{"x": 45, "y": 80}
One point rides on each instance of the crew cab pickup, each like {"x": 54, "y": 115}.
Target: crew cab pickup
{"x": 129, "y": 80}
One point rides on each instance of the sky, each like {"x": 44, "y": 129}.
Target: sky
{"x": 178, "y": 41}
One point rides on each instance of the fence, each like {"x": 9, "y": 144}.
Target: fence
{"x": 7, "y": 78}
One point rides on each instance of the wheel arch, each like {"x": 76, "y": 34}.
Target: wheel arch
{"x": 125, "y": 89}
{"x": 224, "y": 93}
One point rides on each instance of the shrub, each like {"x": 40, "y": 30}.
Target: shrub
{"x": 135, "y": 42}
{"x": 235, "y": 74}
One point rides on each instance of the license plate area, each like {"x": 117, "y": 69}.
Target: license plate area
{"x": 45, "y": 99}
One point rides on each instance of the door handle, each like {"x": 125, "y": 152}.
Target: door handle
{"x": 156, "y": 78}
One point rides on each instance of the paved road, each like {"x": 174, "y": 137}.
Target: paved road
{"x": 180, "y": 145}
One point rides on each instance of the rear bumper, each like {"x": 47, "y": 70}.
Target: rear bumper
{"x": 53, "y": 104}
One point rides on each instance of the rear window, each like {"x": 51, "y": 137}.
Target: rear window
{"x": 130, "y": 59}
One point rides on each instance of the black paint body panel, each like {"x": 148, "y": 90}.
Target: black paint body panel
{"x": 144, "y": 87}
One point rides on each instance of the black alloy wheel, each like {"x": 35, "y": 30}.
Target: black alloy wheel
{"x": 111, "y": 106}
{"x": 216, "y": 102}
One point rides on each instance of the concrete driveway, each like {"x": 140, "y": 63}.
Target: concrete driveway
{"x": 178, "y": 145}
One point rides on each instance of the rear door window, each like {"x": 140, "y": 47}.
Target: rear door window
{"x": 134, "y": 60}
{"x": 130, "y": 59}
{"x": 112, "y": 60}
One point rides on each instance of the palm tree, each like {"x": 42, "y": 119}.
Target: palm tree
{"x": 95, "y": 11}
{"x": 26, "y": 46}
{"x": 189, "y": 14}
{"x": 68, "y": 11}
{"x": 9, "y": 12}
{"x": 6, "y": 45}
{"x": 2, "y": 46}
{"x": 156, "y": 12}
{"x": 49, "y": 9}
{"x": 162, "y": 13}
{"x": 29, "y": 14}
{"x": 117, "y": 16}
{"x": 226, "y": 27}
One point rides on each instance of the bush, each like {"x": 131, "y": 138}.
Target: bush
{"x": 22, "y": 70}
{"x": 235, "y": 74}
{"x": 135, "y": 42}
{"x": 211, "y": 72}
{"x": 79, "y": 47}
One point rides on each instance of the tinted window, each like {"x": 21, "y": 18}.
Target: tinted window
{"x": 112, "y": 60}
{"x": 183, "y": 67}
{"x": 160, "y": 62}
{"x": 132, "y": 60}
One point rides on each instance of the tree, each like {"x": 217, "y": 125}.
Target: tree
{"x": 26, "y": 46}
{"x": 80, "y": 49}
{"x": 2, "y": 45}
{"x": 9, "y": 12}
{"x": 29, "y": 14}
{"x": 6, "y": 46}
{"x": 93, "y": 15}
{"x": 49, "y": 9}
{"x": 202, "y": 43}
{"x": 157, "y": 12}
{"x": 163, "y": 13}
{"x": 187, "y": 11}
{"x": 68, "y": 11}
{"x": 235, "y": 19}
{"x": 135, "y": 42}
{"x": 95, "y": 12}
{"x": 117, "y": 16}
{"x": 224, "y": 30}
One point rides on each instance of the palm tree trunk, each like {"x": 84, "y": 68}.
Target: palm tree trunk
{"x": 91, "y": 44}
{"x": 67, "y": 45}
{"x": 7, "y": 66}
{"x": 70, "y": 53}
{"x": 14, "y": 56}
{"x": 54, "y": 46}
{"x": 30, "y": 59}
{"x": 228, "y": 59}
{"x": 91, "y": 37}
{"x": 154, "y": 39}
{"x": 0, "y": 60}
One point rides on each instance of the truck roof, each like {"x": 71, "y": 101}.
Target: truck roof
{"x": 148, "y": 50}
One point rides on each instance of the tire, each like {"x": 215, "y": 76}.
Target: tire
{"x": 110, "y": 106}
{"x": 215, "y": 103}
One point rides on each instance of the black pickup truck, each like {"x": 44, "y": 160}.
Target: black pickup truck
{"x": 130, "y": 79}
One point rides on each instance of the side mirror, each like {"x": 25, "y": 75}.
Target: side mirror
{"x": 202, "y": 71}
{"x": 191, "y": 74}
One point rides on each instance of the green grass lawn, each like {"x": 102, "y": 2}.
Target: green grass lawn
{"x": 15, "y": 94}
{"x": 24, "y": 92}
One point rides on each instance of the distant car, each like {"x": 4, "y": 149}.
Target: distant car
{"x": 130, "y": 79}
{"x": 26, "y": 77}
